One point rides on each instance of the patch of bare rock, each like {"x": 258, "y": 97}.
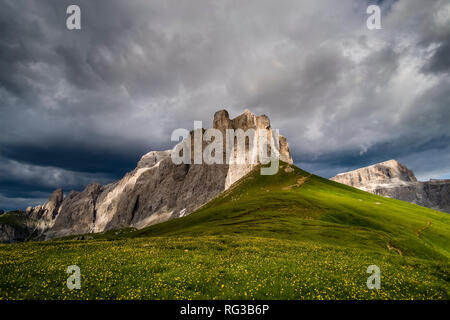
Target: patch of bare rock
{"x": 394, "y": 180}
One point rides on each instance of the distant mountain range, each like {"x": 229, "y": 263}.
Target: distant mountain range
{"x": 393, "y": 179}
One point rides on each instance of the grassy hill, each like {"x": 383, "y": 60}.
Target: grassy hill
{"x": 14, "y": 218}
{"x": 288, "y": 236}
{"x": 22, "y": 226}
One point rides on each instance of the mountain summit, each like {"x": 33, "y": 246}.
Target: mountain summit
{"x": 393, "y": 179}
{"x": 387, "y": 172}
{"x": 156, "y": 190}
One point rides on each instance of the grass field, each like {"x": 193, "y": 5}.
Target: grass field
{"x": 288, "y": 236}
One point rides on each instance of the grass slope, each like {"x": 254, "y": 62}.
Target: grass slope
{"x": 288, "y": 236}
{"x": 15, "y": 219}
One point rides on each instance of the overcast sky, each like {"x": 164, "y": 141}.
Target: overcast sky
{"x": 82, "y": 106}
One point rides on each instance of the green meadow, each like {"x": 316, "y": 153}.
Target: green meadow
{"x": 292, "y": 235}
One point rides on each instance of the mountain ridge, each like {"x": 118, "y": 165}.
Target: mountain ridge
{"x": 393, "y": 179}
{"x": 292, "y": 235}
{"x": 297, "y": 205}
{"x": 155, "y": 191}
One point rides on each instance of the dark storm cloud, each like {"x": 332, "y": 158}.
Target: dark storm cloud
{"x": 428, "y": 158}
{"x": 440, "y": 60}
{"x": 82, "y": 106}
{"x": 25, "y": 185}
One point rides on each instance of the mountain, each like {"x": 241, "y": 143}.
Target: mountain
{"x": 295, "y": 204}
{"x": 292, "y": 235}
{"x": 157, "y": 190}
{"x": 393, "y": 179}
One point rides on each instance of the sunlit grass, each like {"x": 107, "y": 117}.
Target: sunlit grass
{"x": 212, "y": 268}
{"x": 269, "y": 237}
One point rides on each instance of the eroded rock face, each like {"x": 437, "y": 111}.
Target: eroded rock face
{"x": 152, "y": 158}
{"x": 381, "y": 173}
{"x": 9, "y": 234}
{"x": 246, "y": 121}
{"x": 156, "y": 191}
{"x": 45, "y": 215}
{"x": 394, "y": 180}
{"x": 77, "y": 213}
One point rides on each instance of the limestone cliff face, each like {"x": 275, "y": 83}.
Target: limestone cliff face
{"x": 156, "y": 191}
{"x": 246, "y": 121}
{"x": 394, "y": 180}
{"x": 385, "y": 172}
{"x": 45, "y": 215}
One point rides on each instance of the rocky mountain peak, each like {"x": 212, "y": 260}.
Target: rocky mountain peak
{"x": 54, "y": 202}
{"x": 394, "y": 169}
{"x": 393, "y": 179}
{"x": 386, "y": 172}
{"x": 46, "y": 214}
{"x": 222, "y": 120}
{"x": 157, "y": 190}
{"x": 152, "y": 158}
{"x": 55, "y": 199}
{"x": 247, "y": 120}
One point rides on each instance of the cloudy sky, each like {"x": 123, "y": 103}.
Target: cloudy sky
{"x": 83, "y": 106}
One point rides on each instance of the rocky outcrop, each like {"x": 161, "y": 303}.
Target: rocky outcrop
{"x": 153, "y": 157}
{"x": 156, "y": 190}
{"x": 394, "y": 180}
{"x": 10, "y": 233}
{"x": 381, "y": 173}
{"x": 45, "y": 215}
{"x": 15, "y": 226}
{"x": 33, "y": 221}
{"x": 246, "y": 121}
{"x": 77, "y": 213}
